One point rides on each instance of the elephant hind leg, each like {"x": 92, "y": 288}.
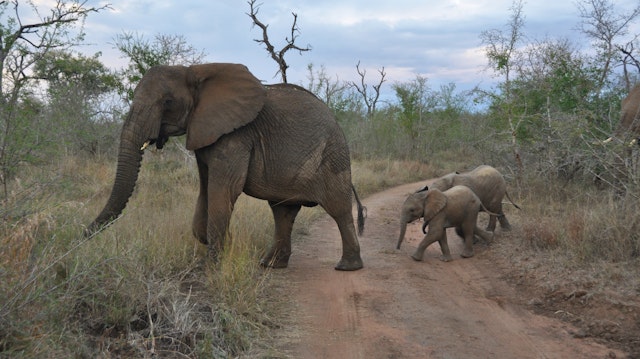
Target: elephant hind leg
{"x": 468, "y": 230}
{"x": 444, "y": 247}
{"x": 280, "y": 251}
{"x": 491, "y": 226}
{"x": 486, "y": 236}
{"x": 504, "y": 223}
{"x": 351, "y": 259}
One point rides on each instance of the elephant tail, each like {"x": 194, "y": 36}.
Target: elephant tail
{"x": 362, "y": 212}
{"x": 510, "y": 200}
{"x": 483, "y": 208}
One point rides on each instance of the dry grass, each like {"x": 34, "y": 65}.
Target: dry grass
{"x": 575, "y": 235}
{"x": 144, "y": 287}
{"x": 374, "y": 175}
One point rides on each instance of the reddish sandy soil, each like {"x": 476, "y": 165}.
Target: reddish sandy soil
{"x": 399, "y": 308}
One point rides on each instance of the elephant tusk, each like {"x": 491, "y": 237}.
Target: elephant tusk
{"x": 145, "y": 145}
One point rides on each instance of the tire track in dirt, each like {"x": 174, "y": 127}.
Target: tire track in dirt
{"x": 398, "y": 308}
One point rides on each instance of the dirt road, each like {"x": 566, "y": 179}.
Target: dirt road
{"x": 398, "y": 308}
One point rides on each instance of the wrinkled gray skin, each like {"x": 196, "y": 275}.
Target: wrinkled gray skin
{"x": 488, "y": 184}
{"x": 456, "y": 207}
{"x": 278, "y": 143}
{"x": 628, "y": 129}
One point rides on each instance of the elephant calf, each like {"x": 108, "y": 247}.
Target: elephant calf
{"x": 456, "y": 207}
{"x": 490, "y": 187}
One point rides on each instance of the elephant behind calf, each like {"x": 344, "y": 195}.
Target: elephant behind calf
{"x": 488, "y": 184}
{"x": 628, "y": 129}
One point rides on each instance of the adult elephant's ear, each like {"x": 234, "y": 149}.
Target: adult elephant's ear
{"x": 227, "y": 96}
{"x": 434, "y": 203}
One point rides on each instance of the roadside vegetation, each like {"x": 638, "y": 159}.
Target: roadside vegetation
{"x": 143, "y": 287}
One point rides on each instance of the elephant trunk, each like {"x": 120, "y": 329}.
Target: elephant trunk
{"x": 129, "y": 160}
{"x": 403, "y": 230}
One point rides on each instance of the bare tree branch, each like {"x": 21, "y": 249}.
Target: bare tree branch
{"x": 45, "y": 33}
{"x": 21, "y": 46}
{"x": 370, "y": 99}
{"x": 604, "y": 25}
{"x": 277, "y": 56}
{"x": 628, "y": 59}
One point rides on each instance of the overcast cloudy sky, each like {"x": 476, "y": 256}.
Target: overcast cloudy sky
{"x": 438, "y": 39}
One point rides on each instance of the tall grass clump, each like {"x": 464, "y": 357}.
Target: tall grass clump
{"x": 141, "y": 287}
{"x": 574, "y": 227}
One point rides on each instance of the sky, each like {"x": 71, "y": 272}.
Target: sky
{"x": 436, "y": 39}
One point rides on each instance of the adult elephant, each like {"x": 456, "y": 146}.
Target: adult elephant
{"x": 278, "y": 143}
{"x": 488, "y": 184}
{"x": 628, "y": 129}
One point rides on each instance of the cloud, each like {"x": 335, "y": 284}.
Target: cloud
{"x": 439, "y": 40}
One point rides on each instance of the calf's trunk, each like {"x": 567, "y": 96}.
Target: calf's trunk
{"x": 403, "y": 230}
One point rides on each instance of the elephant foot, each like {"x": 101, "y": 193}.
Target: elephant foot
{"x": 504, "y": 224}
{"x": 466, "y": 254}
{"x": 485, "y": 237}
{"x": 213, "y": 254}
{"x": 349, "y": 264}
{"x": 417, "y": 257}
{"x": 202, "y": 240}
{"x": 446, "y": 258}
{"x": 280, "y": 261}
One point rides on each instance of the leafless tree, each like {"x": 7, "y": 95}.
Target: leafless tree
{"x": 502, "y": 52}
{"x": 324, "y": 87}
{"x": 20, "y": 41}
{"x": 601, "y": 23}
{"x": 629, "y": 60}
{"x": 370, "y": 98}
{"x": 23, "y": 41}
{"x": 277, "y": 56}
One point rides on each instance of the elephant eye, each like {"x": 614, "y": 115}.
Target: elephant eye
{"x": 167, "y": 103}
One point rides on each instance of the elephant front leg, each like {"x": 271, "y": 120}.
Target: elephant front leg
{"x": 200, "y": 217}
{"x": 284, "y": 217}
{"x": 199, "y": 226}
{"x": 220, "y": 205}
{"x": 429, "y": 238}
{"x": 213, "y": 212}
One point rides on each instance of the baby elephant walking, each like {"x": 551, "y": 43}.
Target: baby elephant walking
{"x": 488, "y": 184}
{"x": 456, "y": 207}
